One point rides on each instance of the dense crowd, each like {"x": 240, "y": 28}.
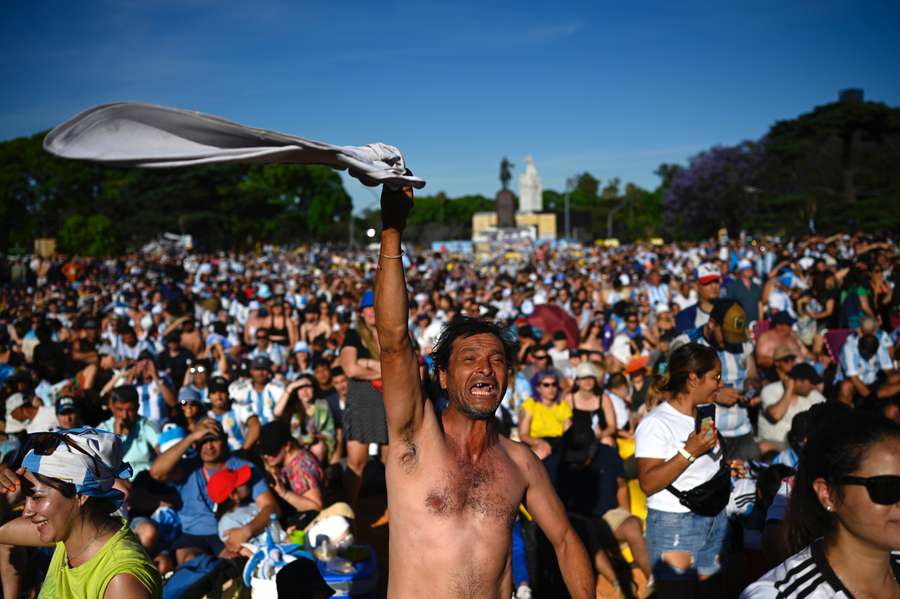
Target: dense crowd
{"x": 246, "y": 389}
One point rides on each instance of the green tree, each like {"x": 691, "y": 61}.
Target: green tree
{"x": 92, "y": 235}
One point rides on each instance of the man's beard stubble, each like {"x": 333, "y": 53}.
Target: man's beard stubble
{"x": 468, "y": 411}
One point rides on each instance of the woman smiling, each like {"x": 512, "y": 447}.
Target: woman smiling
{"x": 68, "y": 481}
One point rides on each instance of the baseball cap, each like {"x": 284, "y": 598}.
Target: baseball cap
{"x": 262, "y": 362}
{"x": 367, "y": 300}
{"x": 586, "y": 370}
{"x": 636, "y": 364}
{"x": 732, "y": 318}
{"x": 782, "y": 318}
{"x": 744, "y": 265}
{"x": 105, "y": 350}
{"x": 300, "y": 346}
{"x": 707, "y": 272}
{"x": 273, "y": 437}
{"x": 223, "y": 483}
{"x": 217, "y": 383}
{"x": 783, "y": 352}
{"x": 188, "y": 395}
{"x": 805, "y": 372}
{"x": 65, "y": 405}
{"x": 662, "y": 308}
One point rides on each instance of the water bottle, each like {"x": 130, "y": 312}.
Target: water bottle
{"x": 274, "y": 530}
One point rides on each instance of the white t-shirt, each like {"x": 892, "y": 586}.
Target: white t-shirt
{"x": 621, "y": 410}
{"x": 771, "y": 394}
{"x": 44, "y": 421}
{"x": 659, "y": 436}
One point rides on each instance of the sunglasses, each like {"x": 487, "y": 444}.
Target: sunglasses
{"x": 542, "y": 357}
{"x": 883, "y": 490}
{"x": 261, "y": 337}
{"x": 548, "y": 384}
{"x": 45, "y": 444}
{"x": 196, "y": 369}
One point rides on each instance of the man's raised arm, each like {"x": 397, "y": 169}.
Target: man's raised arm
{"x": 403, "y": 400}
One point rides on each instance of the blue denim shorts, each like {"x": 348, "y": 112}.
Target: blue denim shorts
{"x": 702, "y": 536}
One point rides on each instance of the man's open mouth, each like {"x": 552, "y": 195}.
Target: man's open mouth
{"x": 483, "y": 389}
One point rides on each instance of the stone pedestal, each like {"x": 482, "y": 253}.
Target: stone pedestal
{"x": 506, "y": 209}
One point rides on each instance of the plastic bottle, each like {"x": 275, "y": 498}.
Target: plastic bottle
{"x": 274, "y": 530}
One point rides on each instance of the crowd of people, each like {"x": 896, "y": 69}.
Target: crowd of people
{"x": 241, "y": 388}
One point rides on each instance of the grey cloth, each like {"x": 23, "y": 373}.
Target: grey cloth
{"x": 144, "y": 135}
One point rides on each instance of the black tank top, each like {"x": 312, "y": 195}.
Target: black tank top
{"x": 579, "y": 440}
{"x": 278, "y": 335}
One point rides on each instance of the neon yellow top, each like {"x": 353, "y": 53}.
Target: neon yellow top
{"x": 122, "y": 553}
{"x": 547, "y": 421}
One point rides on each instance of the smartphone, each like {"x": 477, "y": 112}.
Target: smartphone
{"x": 705, "y": 412}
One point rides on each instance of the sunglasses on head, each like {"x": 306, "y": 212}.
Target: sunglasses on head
{"x": 45, "y": 444}
{"x": 883, "y": 490}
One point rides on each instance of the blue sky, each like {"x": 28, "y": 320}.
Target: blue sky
{"x": 596, "y": 86}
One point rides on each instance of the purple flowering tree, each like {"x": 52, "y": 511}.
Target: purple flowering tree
{"x": 718, "y": 188}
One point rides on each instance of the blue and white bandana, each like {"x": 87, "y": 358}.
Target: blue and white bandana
{"x": 93, "y": 471}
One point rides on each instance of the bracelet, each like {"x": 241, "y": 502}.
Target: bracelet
{"x": 686, "y": 455}
{"x": 400, "y": 255}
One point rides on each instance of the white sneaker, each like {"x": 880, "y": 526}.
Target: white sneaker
{"x": 523, "y": 592}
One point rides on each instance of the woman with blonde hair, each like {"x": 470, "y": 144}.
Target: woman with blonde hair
{"x": 364, "y": 419}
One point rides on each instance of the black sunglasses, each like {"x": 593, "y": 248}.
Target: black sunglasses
{"x": 548, "y": 385}
{"x": 45, "y": 444}
{"x": 883, "y": 490}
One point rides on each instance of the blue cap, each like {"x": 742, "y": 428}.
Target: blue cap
{"x": 368, "y": 299}
{"x": 189, "y": 395}
{"x": 65, "y": 405}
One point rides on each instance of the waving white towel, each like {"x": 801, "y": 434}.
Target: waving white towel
{"x": 145, "y": 135}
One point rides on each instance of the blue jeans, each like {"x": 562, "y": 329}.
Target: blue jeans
{"x": 519, "y": 557}
{"x": 703, "y": 537}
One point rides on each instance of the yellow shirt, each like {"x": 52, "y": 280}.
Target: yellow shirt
{"x": 122, "y": 553}
{"x": 547, "y": 421}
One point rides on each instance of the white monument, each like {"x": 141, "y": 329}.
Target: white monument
{"x": 530, "y": 189}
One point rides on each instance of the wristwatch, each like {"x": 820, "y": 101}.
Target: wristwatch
{"x": 686, "y": 455}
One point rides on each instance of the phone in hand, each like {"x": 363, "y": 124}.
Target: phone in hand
{"x": 705, "y": 413}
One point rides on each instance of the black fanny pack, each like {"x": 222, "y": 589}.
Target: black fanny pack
{"x": 709, "y": 498}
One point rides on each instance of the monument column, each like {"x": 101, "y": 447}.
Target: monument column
{"x": 530, "y": 189}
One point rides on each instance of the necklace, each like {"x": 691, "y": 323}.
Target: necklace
{"x": 71, "y": 558}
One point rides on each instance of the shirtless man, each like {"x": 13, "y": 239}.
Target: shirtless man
{"x": 779, "y": 335}
{"x": 454, "y": 484}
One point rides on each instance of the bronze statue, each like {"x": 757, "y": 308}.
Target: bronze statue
{"x": 505, "y": 167}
